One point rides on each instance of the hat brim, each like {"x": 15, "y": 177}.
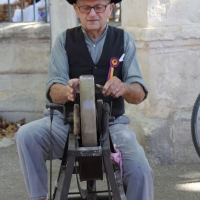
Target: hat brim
{"x": 74, "y": 1}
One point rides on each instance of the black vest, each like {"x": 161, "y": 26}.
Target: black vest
{"x": 81, "y": 63}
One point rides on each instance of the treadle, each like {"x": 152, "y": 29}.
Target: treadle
{"x": 102, "y": 197}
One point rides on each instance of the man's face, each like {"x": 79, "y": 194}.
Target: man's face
{"x": 93, "y": 21}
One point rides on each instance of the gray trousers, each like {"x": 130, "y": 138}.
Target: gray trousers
{"x": 33, "y": 145}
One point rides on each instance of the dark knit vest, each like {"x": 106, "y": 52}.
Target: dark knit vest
{"x": 81, "y": 63}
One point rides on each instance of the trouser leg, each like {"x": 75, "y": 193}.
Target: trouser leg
{"x": 137, "y": 174}
{"x": 33, "y": 145}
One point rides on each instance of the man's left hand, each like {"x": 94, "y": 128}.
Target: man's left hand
{"x": 132, "y": 93}
{"x": 114, "y": 87}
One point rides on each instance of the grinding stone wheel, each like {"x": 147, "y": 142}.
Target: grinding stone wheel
{"x": 88, "y": 111}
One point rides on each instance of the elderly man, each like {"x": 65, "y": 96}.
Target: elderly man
{"x": 89, "y": 49}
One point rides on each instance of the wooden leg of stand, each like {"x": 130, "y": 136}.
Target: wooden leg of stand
{"x": 111, "y": 176}
{"x": 68, "y": 177}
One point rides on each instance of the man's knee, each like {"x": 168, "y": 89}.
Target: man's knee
{"x": 21, "y": 134}
{"x": 25, "y": 134}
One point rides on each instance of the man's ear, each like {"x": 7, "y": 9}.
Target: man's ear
{"x": 76, "y": 9}
{"x": 111, "y": 8}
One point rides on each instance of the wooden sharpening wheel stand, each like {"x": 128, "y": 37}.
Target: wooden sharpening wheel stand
{"x": 87, "y": 150}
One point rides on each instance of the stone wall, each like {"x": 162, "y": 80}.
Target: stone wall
{"x": 167, "y": 36}
{"x": 24, "y": 56}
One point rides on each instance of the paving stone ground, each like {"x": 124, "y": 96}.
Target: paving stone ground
{"x": 174, "y": 182}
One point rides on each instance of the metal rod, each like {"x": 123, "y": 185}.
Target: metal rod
{"x": 34, "y": 10}
{"x": 120, "y": 12}
{"x": 22, "y": 13}
{"x": 102, "y": 191}
{"x": 46, "y": 13}
{"x": 51, "y": 152}
{"x": 99, "y": 86}
{"x": 50, "y": 25}
{"x": 9, "y": 17}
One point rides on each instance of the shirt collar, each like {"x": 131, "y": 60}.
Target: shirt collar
{"x": 103, "y": 35}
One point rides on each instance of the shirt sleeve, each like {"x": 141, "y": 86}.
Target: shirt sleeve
{"x": 131, "y": 72}
{"x": 58, "y": 71}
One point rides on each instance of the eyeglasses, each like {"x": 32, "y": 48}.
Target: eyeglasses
{"x": 98, "y": 8}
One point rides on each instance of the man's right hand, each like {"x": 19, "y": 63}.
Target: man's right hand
{"x": 62, "y": 94}
{"x": 72, "y": 89}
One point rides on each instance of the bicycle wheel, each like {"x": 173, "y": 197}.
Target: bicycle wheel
{"x": 195, "y": 125}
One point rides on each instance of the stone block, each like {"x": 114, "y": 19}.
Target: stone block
{"x": 165, "y": 141}
{"x": 160, "y": 13}
{"x": 173, "y": 82}
{"x": 158, "y": 143}
{"x": 172, "y": 12}
{"x": 170, "y": 60}
{"x": 139, "y": 18}
{"x": 32, "y": 30}
{"x": 22, "y": 92}
{"x": 155, "y": 135}
{"x": 63, "y": 16}
{"x": 184, "y": 151}
{"x": 24, "y": 56}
